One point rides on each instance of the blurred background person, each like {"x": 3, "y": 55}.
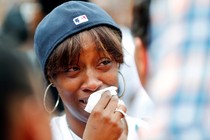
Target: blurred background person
{"x": 18, "y": 25}
{"x": 13, "y": 28}
{"x": 22, "y": 116}
{"x": 16, "y": 32}
{"x": 121, "y": 11}
{"x": 140, "y": 32}
{"x": 178, "y": 69}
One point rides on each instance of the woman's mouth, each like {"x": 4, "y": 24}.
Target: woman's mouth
{"x": 84, "y": 101}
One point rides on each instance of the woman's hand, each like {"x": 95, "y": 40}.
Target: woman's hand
{"x": 104, "y": 122}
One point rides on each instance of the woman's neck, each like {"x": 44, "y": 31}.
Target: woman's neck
{"x": 77, "y": 126}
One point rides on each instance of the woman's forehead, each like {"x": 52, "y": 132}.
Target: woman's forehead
{"x": 89, "y": 40}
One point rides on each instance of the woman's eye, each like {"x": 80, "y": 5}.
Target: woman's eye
{"x": 73, "y": 69}
{"x": 105, "y": 62}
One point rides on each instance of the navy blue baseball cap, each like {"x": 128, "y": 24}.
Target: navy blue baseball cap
{"x": 64, "y": 21}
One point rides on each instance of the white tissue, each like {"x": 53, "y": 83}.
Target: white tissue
{"x": 95, "y": 97}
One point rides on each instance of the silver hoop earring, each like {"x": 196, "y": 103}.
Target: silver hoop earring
{"x": 123, "y": 83}
{"x": 45, "y": 95}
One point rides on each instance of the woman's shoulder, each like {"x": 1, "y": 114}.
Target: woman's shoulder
{"x": 58, "y": 119}
{"x": 59, "y": 127}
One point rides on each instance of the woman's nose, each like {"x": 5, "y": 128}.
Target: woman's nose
{"x": 91, "y": 82}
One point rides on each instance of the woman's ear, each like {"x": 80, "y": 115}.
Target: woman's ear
{"x": 51, "y": 80}
{"x": 141, "y": 60}
{"x": 118, "y": 66}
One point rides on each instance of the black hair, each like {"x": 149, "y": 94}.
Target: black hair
{"x": 49, "y": 5}
{"x": 141, "y": 21}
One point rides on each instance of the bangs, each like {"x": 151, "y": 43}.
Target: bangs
{"x": 68, "y": 52}
{"x": 109, "y": 40}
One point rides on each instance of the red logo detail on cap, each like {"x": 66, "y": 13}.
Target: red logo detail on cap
{"x": 80, "y": 19}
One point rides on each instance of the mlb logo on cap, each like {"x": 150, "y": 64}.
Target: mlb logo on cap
{"x": 80, "y": 19}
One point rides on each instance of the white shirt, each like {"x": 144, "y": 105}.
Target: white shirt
{"x": 61, "y": 131}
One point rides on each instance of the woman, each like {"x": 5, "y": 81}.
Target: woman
{"x": 79, "y": 48}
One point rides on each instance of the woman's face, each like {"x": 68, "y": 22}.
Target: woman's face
{"x": 93, "y": 71}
